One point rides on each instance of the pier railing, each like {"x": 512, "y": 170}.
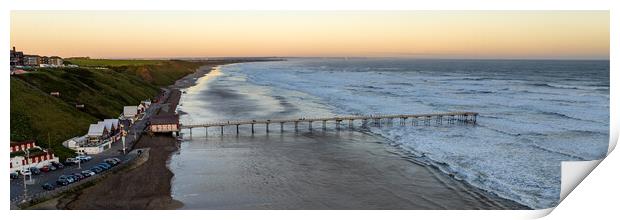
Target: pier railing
{"x": 376, "y": 120}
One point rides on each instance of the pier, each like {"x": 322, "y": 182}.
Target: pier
{"x": 341, "y": 121}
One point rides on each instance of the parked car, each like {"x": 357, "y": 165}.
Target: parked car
{"x": 58, "y": 165}
{"x": 71, "y": 161}
{"x": 96, "y": 169}
{"x": 88, "y": 173}
{"x": 45, "y": 169}
{"x": 111, "y": 161}
{"x": 78, "y": 176}
{"x": 48, "y": 186}
{"x": 117, "y": 160}
{"x": 14, "y": 175}
{"x": 63, "y": 180}
{"x": 84, "y": 158}
{"x": 71, "y": 179}
{"x": 35, "y": 170}
{"x": 103, "y": 166}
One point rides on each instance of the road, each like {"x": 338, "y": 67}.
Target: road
{"x": 136, "y": 130}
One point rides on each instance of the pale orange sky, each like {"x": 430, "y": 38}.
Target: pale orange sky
{"x": 426, "y": 34}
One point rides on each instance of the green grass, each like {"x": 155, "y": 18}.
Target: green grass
{"x": 35, "y": 114}
{"x": 83, "y": 62}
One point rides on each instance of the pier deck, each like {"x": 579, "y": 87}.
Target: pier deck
{"x": 415, "y": 119}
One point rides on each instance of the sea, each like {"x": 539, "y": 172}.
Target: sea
{"x": 533, "y": 114}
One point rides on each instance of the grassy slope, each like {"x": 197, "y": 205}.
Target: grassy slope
{"x": 34, "y": 114}
{"x": 104, "y": 92}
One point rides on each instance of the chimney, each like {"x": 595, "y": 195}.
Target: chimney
{"x": 13, "y": 49}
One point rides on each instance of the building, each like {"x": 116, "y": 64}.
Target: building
{"x": 44, "y": 60}
{"x": 32, "y": 60}
{"x": 113, "y": 125}
{"x": 56, "y": 61}
{"x": 164, "y": 124}
{"x": 130, "y": 112}
{"x": 17, "y": 58}
{"x": 97, "y": 133}
{"x": 81, "y": 146}
{"x": 26, "y": 154}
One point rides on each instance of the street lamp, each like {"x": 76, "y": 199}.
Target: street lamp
{"x": 25, "y": 186}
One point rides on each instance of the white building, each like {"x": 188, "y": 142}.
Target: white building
{"x": 130, "y": 111}
{"x": 96, "y": 132}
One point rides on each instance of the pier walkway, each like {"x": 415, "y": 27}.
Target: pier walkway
{"x": 376, "y": 120}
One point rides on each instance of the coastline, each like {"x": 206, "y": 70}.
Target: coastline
{"x": 147, "y": 186}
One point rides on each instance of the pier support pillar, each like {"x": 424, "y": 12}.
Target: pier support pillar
{"x": 252, "y": 128}
{"x": 281, "y": 127}
{"x": 221, "y": 129}
{"x": 310, "y": 125}
{"x": 267, "y": 127}
{"x": 296, "y": 122}
{"x": 206, "y": 131}
{"x": 190, "y": 133}
{"x": 324, "y": 125}
{"x": 237, "y": 129}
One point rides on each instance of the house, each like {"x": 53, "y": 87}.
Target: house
{"x": 113, "y": 125}
{"x": 55, "y": 61}
{"x": 97, "y": 133}
{"x": 130, "y": 111}
{"x": 43, "y": 60}
{"x": 21, "y": 146}
{"x": 75, "y": 142}
{"x": 32, "y": 60}
{"x": 26, "y": 154}
{"x": 164, "y": 124}
{"x": 17, "y": 58}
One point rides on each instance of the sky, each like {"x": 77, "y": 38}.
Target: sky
{"x": 418, "y": 34}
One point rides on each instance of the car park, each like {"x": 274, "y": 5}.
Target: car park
{"x": 35, "y": 170}
{"x": 48, "y": 186}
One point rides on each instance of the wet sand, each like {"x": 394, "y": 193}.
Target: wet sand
{"x": 314, "y": 170}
